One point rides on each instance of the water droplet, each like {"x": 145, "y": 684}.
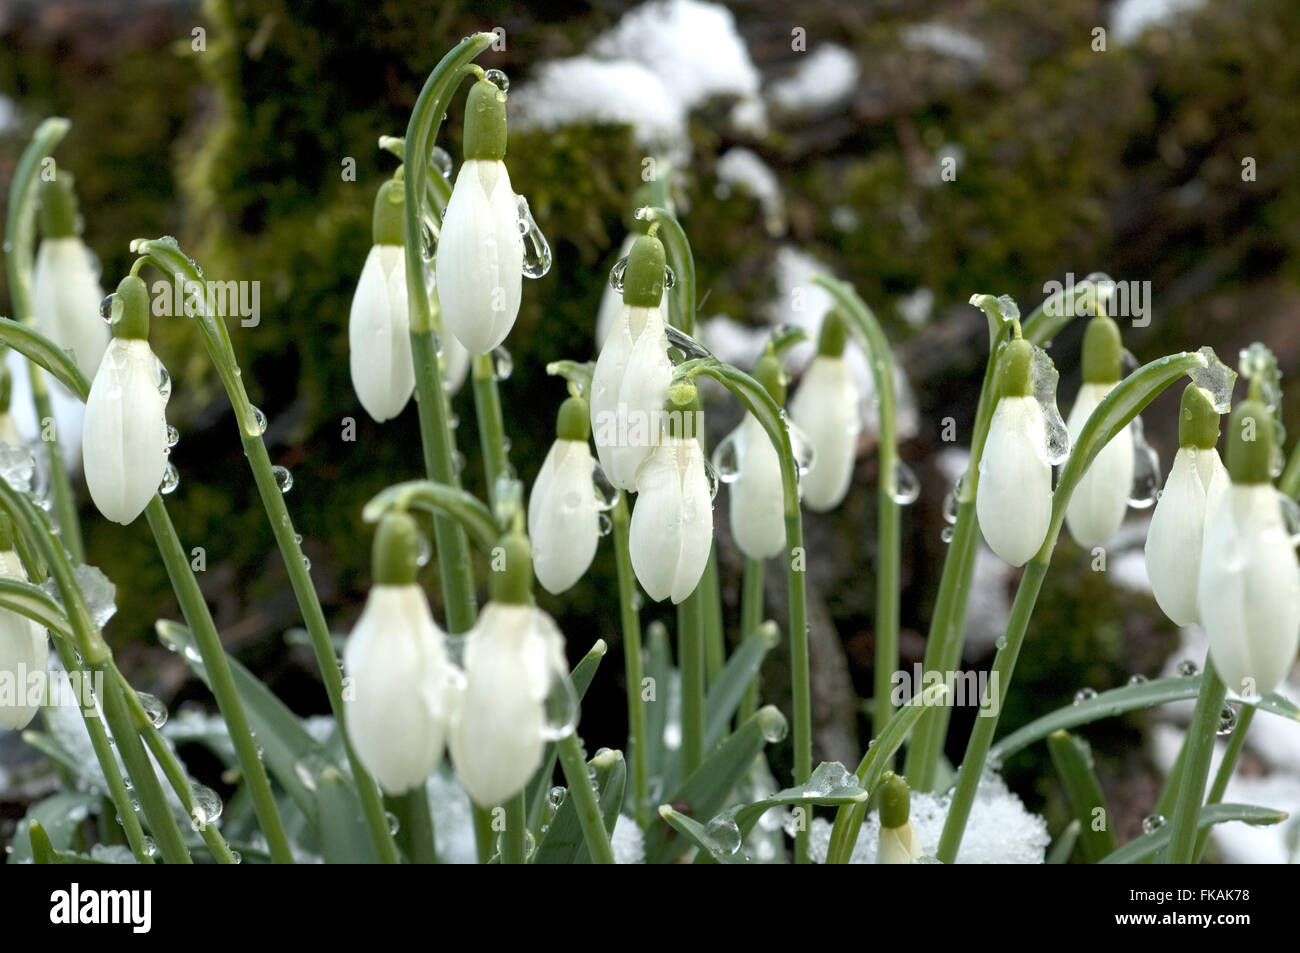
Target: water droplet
{"x": 774, "y": 728}
{"x": 603, "y": 524}
{"x": 498, "y": 79}
{"x": 153, "y": 708}
{"x": 801, "y": 445}
{"x": 606, "y": 493}
{"x": 1128, "y": 363}
{"x": 555, "y": 797}
{"x": 440, "y": 159}
{"x": 173, "y": 436}
{"x": 724, "y": 834}
{"x": 950, "y": 504}
{"x": 1187, "y": 668}
{"x": 690, "y": 347}
{"x": 904, "y": 486}
{"x": 560, "y": 706}
{"x": 503, "y": 365}
{"x": 1137, "y": 678}
{"x": 164, "y": 382}
{"x": 259, "y": 419}
{"x": 306, "y": 563}
{"x": 457, "y": 462}
{"x": 170, "y": 481}
{"x": 394, "y": 825}
{"x": 1084, "y": 694}
{"x": 428, "y": 241}
{"x": 1227, "y": 720}
{"x": 537, "y": 252}
{"x": 424, "y": 551}
{"x": 1152, "y": 823}
{"x": 616, "y": 274}
{"x": 945, "y": 534}
{"x": 711, "y": 475}
{"x": 1146, "y": 469}
{"x": 283, "y": 478}
{"x": 1290, "y": 517}
{"x": 208, "y": 803}
{"x": 670, "y": 278}
{"x": 724, "y": 459}
{"x": 106, "y": 308}
{"x": 1000, "y": 642}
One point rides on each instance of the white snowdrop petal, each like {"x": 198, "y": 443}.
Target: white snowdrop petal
{"x": 398, "y": 667}
{"x": 1174, "y": 538}
{"x": 1013, "y": 500}
{"x": 1249, "y": 589}
{"x": 655, "y": 534}
{"x": 898, "y": 845}
{"x": 24, "y": 650}
{"x": 1100, "y": 500}
{"x": 497, "y": 741}
{"x": 65, "y": 300}
{"x": 124, "y": 438}
{"x": 628, "y": 391}
{"x": 825, "y": 408}
{"x": 379, "y": 342}
{"x": 696, "y": 520}
{"x": 563, "y": 521}
{"x": 480, "y": 257}
{"x": 606, "y": 383}
{"x": 757, "y": 503}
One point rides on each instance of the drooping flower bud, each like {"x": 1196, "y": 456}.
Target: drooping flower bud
{"x": 481, "y": 250}
{"x": 672, "y": 524}
{"x": 379, "y": 329}
{"x": 755, "y": 491}
{"x": 563, "y": 516}
{"x": 1177, "y": 530}
{"x": 630, "y": 383}
{"x": 24, "y": 649}
{"x": 1249, "y": 586}
{"x": 65, "y": 282}
{"x": 826, "y": 408}
{"x": 1100, "y": 498}
{"x": 899, "y": 843}
{"x": 1013, "y": 499}
{"x": 397, "y": 665}
{"x": 124, "y": 435}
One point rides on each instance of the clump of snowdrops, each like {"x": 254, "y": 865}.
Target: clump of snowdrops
{"x": 487, "y": 698}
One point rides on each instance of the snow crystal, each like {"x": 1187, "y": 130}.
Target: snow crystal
{"x": 1000, "y": 829}
{"x": 946, "y": 41}
{"x": 1129, "y": 19}
{"x": 453, "y": 824}
{"x": 628, "y": 842}
{"x": 744, "y": 168}
{"x": 823, "y": 78}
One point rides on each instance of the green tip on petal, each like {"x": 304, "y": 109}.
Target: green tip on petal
{"x": 769, "y": 373}
{"x": 1015, "y": 369}
{"x": 1103, "y": 351}
{"x": 834, "y": 334}
{"x": 512, "y": 570}
{"x": 895, "y": 801}
{"x": 389, "y": 224}
{"x": 682, "y": 406}
{"x": 643, "y": 278}
{"x": 485, "y": 122}
{"x": 1250, "y": 443}
{"x": 58, "y": 206}
{"x": 130, "y": 312}
{"x": 573, "y": 422}
{"x": 1198, "y": 421}
{"x": 396, "y": 554}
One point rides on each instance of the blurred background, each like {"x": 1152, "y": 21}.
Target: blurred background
{"x": 925, "y": 150}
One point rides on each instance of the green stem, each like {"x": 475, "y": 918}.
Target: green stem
{"x": 199, "y": 618}
{"x": 690, "y": 642}
{"x": 584, "y": 798}
{"x": 491, "y": 426}
{"x": 633, "y": 663}
{"x": 1226, "y": 767}
{"x": 715, "y": 646}
{"x": 514, "y": 839}
{"x": 751, "y": 617}
{"x": 1200, "y": 749}
{"x": 416, "y": 832}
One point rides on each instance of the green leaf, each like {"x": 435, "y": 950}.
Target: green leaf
{"x": 563, "y": 842}
{"x": 345, "y": 838}
{"x": 291, "y": 754}
{"x": 695, "y": 833}
{"x": 1064, "y": 846}
{"x": 1117, "y": 701}
{"x": 468, "y": 510}
{"x": 58, "y": 816}
{"x": 729, "y": 687}
{"x": 20, "y": 222}
{"x": 659, "y": 669}
{"x": 40, "y": 350}
{"x": 831, "y": 785}
{"x": 1073, "y": 761}
{"x": 706, "y": 791}
{"x": 36, "y": 604}
{"x": 1149, "y": 844}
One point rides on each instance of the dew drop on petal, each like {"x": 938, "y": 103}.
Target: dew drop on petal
{"x": 173, "y": 436}
{"x": 606, "y": 493}
{"x": 283, "y": 478}
{"x": 164, "y": 382}
{"x": 1146, "y": 469}
{"x": 725, "y": 458}
{"x": 537, "y": 251}
{"x": 604, "y": 524}
{"x": 712, "y": 476}
{"x": 503, "y": 365}
{"x": 170, "y": 481}
{"x": 616, "y": 274}
{"x": 106, "y": 308}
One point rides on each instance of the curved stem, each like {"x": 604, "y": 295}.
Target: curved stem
{"x": 632, "y": 663}
{"x": 1196, "y": 766}
{"x": 678, "y": 247}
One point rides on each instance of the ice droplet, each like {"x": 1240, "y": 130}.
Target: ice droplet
{"x": 17, "y": 466}
{"x": 1146, "y": 469}
{"x": 283, "y": 478}
{"x": 1045, "y": 377}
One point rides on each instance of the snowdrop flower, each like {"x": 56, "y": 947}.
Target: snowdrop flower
{"x": 826, "y": 409}
{"x": 1100, "y": 499}
{"x": 757, "y": 500}
{"x": 672, "y": 524}
{"x": 611, "y": 300}
{"x": 24, "y": 651}
{"x": 630, "y": 382}
{"x": 899, "y": 842}
{"x": 563, "y": 512}
{"x": 65, "y": 283}
{"x": 379, "y": 328}
{"x": 517, "y": 693}
{"x": 124, "y": 436}
{"x": 1013, "y": 498}
{"x": 1249, "y": 586}
{"x": 481, "y": 251}
{"x": 1197, "y": 479}
{"x": 397, "y": 668}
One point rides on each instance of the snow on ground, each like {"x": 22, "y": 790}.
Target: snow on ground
{"x": 825, "y": 76}
{"x": 946, "y": 41}
{"x": 1129, "y": 19}
{"x": 744, "y": 168}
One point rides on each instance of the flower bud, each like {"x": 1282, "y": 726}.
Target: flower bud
{"x": 899, "y": 843}
{"x": 826, "y": 408}
{"x": 563, "y": 516}
{"x": 379, "y": 336}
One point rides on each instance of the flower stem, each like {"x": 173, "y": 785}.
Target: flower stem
{"x": 416, "y": 832}
{"x": 580, "y": 789}
{"x": 633, "y": 663}
{"x": 715, "y": 646}
{"x": 491, "y": 427}
{"x": 690, "y": 661}
{"x": 199, "y": 618}
{"x": 1224, "y": 774}
{"x": 514, "y": 839}
{"x": 1196, "y": 767}
{"x": 751, "y": 617}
